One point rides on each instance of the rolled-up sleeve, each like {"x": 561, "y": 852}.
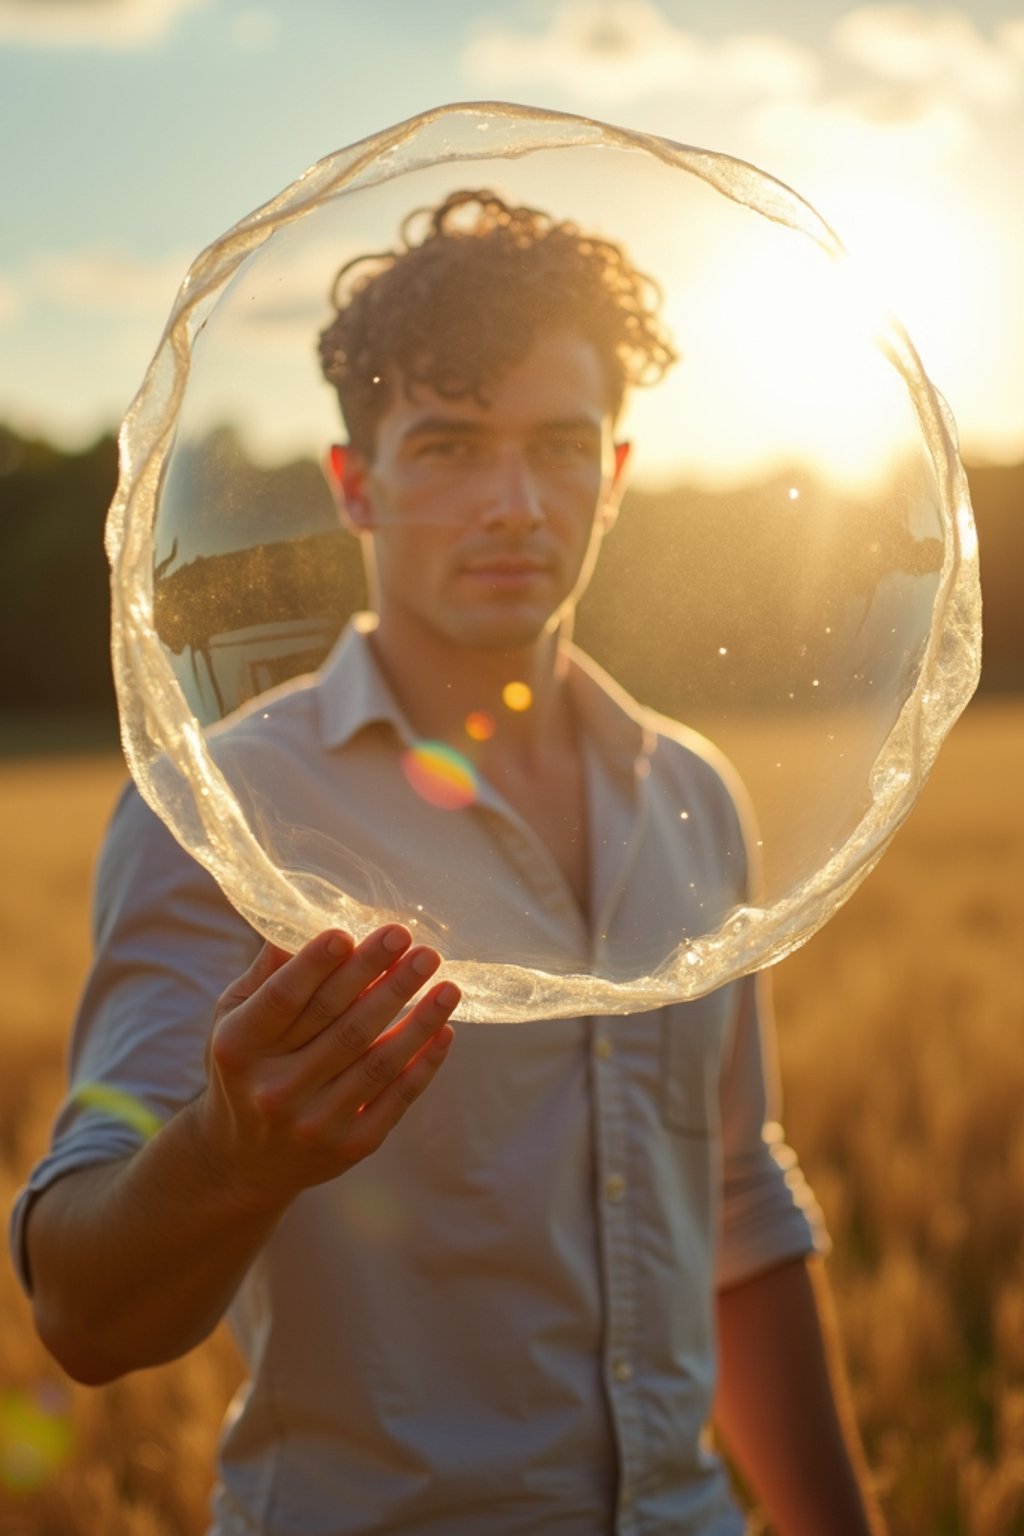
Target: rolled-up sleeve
{"x": 166, "y": 943}
{"x": 768, "y": 1211}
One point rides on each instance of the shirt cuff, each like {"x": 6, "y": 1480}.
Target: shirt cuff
{"x": 96, "y": 1141}
{"x": 769, "y": 1214}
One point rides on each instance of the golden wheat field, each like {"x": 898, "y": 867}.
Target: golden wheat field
{"x": 902, "y": 1043}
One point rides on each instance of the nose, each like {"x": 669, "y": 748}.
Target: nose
{"x": 514, "y": 500}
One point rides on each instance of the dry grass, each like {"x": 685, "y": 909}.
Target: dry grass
{"x": 904, "y": 1079}
{"x": 904, "y": 1072}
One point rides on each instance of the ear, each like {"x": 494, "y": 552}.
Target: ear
{"x": 345, "y": 470}
{"x": 610, "y": 507}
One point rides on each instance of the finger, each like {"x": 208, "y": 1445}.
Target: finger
{"x": 388, "y": 1056}
{"x": 377, "y": 956}
{"x": 379, "y": 1116}
{"x": 350, "y": 1033}
{"x": 268, "y": 959}
{"x": 262, "y": 1018}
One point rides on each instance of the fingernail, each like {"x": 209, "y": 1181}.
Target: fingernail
{"x": 448, "y": 995}
{"x": 395, "y": 939}
{"x": 425, "y": 962}
{"x": 339, "y": 944}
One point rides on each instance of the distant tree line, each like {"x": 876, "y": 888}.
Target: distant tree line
{"x": 54, "y": 588}
{"x": 54, "y": 582}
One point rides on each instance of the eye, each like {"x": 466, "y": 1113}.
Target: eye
{"x": 566, "y": 449}
{"x": 451, "y": 450}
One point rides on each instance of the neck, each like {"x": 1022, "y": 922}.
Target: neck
{"x": 485, "y": 703}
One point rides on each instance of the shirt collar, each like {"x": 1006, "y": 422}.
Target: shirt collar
{"x": 353, "y": 691}
{"x": 354, "y": 694}
{"x": 614, "y": 722}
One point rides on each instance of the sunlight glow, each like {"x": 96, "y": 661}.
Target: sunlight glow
{"x": 934, "y": 257}
{"x": 780, "y": 367}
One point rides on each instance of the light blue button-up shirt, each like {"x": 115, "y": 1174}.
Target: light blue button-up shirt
{"x": 503, "y": 1321}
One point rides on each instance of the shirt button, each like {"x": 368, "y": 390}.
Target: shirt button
{"x": 602, "y": 1048}
{"x": 615, "y": 1186}
{"x": 622, "y": 1370}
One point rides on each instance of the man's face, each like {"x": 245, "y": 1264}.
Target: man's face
{"x": 486, "y": 520}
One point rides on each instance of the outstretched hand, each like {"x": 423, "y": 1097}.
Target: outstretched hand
{"x": 308, "y": 1071}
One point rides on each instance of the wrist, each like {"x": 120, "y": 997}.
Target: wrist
{"x": 222, "y": 1166}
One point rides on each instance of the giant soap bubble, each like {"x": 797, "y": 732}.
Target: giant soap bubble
{"x": 792, "y": 577}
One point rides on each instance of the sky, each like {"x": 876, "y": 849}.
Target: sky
{"x": 136, "y": 132}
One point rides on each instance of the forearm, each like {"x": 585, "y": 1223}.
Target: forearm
{"x": 134, "y": 1263}
{"x": 782, "y": 1405}
{"x": 309, "y": 1070}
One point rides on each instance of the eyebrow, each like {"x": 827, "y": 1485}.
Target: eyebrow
{"x": 464, "y": 426}
{"x": 433, "y": 426}
{"x": 570, "y": 424}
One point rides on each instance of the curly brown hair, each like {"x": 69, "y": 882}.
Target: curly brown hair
{"x": 459, "y": 304}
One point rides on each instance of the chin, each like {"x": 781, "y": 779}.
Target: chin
{"x": 506, "y": 632}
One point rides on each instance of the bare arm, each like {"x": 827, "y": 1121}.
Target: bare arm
{"x": 782, "y": 1406}
{"x": 134, "y": 1262}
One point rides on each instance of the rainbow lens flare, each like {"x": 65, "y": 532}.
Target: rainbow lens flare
{"x": 440, "y": 775}
{"x": 35, "y": 1436}
{"x": 123, "y": 1106}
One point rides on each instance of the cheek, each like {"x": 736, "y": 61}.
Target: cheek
{"x": 587, "y": 486}
{"x": 411, "y": 553}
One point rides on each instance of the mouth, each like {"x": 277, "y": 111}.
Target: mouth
{"x": 506, "y": 570}
{"x": 498, "y": 561}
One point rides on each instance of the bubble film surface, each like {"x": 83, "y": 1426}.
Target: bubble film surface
{"x": 790, "y": 582}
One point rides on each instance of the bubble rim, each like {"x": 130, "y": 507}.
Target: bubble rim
{"x": 158, "y": 729}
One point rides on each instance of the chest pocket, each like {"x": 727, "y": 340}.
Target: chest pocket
{"x": 691, "y": 1059}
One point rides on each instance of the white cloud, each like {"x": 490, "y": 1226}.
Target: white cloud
{"x": 765, "y": 64}
{"x": 619, "y": 50}
{"x": 109, "y": 280}
{"x": 1010, "y": 35}
{"x": 916, "y": 133}
{"x": 930, "y": 91}
{"x": 908, "y": 45}
{"x": 90, "y": 23}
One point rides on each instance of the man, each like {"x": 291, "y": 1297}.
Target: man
{"x": 497, "y": 1314}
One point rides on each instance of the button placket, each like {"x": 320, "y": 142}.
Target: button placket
{"x": 618, "y": 1260}
{"x": 538, "y": 869}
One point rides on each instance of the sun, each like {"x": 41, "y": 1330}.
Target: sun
{"x": 781, "y": 367}
{"x": 934, "y": 256}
